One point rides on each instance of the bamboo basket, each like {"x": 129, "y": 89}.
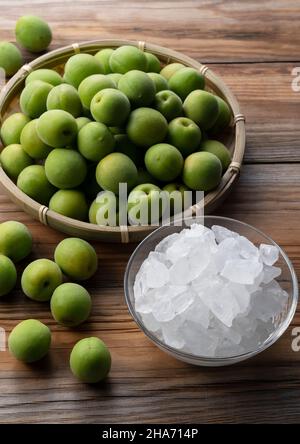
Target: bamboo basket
{"x": 234, "y": 139}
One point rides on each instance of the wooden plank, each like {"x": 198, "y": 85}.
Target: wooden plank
{"x": 146, "y": 385}
{"x": 222, "y": 31}
{"x": 268, "y": 196}
{"x": 271, "y": 107}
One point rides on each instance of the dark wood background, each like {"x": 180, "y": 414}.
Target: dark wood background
{"x": 253, "y": 45}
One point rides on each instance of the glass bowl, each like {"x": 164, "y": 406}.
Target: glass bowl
{"x": 287, "y": 280}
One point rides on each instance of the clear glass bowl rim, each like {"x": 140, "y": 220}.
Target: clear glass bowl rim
{"x": 188, "y": 357}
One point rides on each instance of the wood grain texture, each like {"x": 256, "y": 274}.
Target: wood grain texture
{"x": 209, "y": 30}
{"x": 271, "y": 107}
{"x": 146, "y": 385}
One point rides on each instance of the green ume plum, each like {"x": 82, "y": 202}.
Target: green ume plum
{"x": 15, "y": 240}
{"x": 223, "y": 119}
{"x": 65, "y": 168}
{"x": 29, "y": 341}
{"x": 32, "y": 143}
{"x": 169, "y": 70}
{"x": 89, "y": 87}
{"x": 110, "y": 106}
{"x": 103, "y": 57}
{"x": 175, "y": 186}
{"x": 69, "y": 203}
{"x": 164, "y": 162}
{"x": 201, "y": 107}
{"x": 218, "y": 149}
{"x": 57, "y": 128}
{"x": 14, "y": 159}
{"x": 177, "y": 198}
{"x": 40, "y": 278}
{"x": 10, "y": 58}
{"x": 186, "y": 80}
{"x": 159, "y": 81}
{"x": 168, "y": 104}
{"x": 104, "y": 210}
{"x": 33, "y": 33}
{"x": 138, "y": 87}
{"x": 8, "y": 275}
{"x": 65, "y": 97}
{"x": 126, "y": 58}
{"x": 12, "y": 127}
{"x": 90, "y": 360}
{"x": 79, "y": 67}
{"x": 115, "y": 77}
{"x": 202, "y": 171}
{"x": 76, "y": 258}
{"x": 185, "y": 135}
{"x": 93, "y": 212}
{"x": 33, "y": 99}
{"x": 144, "y": 204}
{"x": 95, "y": 141}
{"x": 81, "y": 122}
{"x": 125, "y": 146}
{"x": 46, "y": 75}
{"x": 33, "y": 182}
{"x": 114, "y": 169}
{"x": 146, "y": 127}
{"x": 70, "y": 304}
{"x": 153, "y": 63}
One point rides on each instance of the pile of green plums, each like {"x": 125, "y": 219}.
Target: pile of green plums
{"x": 33, "y": 34}
{"x": 70, "y": 303}
{"x": 114, "y": 117}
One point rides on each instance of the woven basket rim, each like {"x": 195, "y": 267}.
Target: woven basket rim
{"x": 58, "y": 56}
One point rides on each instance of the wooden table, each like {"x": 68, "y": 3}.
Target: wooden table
{"x": 254, "y": 46}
